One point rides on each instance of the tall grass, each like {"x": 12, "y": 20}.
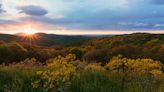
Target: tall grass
{"x": 21, "y": 79}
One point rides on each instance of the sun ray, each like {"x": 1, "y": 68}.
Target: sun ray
{"x": 29, "y": 36}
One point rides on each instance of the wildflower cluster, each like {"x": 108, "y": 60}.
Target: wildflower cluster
{"x": 142, "y": 66}
{"x": 61, "y": 71}
{"x": 95, "y": 67}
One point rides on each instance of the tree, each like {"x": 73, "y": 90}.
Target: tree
{"x": 97, "y": 55}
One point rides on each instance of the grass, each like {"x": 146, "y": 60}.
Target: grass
{"x": 20, "y": 80}
{"x": 92, "y": 81}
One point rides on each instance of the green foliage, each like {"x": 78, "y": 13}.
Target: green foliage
{"x": 97, "y": 55}
{"x": 11, "y": 52}
{"x": 17, "y": 79}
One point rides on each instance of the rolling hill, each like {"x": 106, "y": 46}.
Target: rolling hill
{"x": 44, "y": 39}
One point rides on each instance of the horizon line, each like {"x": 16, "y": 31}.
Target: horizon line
{"x": 64, "y": 32}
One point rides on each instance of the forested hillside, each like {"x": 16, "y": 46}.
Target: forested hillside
{"x": 131, "y": 46}
{"x": 124, "y": 63}
{"x": 99, "y": 49}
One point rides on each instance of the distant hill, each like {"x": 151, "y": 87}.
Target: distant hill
{"x": 136, "y": 38}
{"x": 8, "y": 38}
{"x": 52, "y": 39}
{"x": 45, "y": 39}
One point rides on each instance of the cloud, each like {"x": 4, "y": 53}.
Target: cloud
{"x": 88, "y": 24}
{"x": 1, "y": 9}
{"x": 159, "y": 25}
{"x": 84, "y": 15}
{"x": 6, "y": 25}
{"x": 33, "y": 10}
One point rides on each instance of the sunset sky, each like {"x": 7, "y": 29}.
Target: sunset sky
{"x": 82, "y": 16}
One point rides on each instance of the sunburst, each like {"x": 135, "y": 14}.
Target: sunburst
{"x": 30, "y": 36}
{"x": 29, "y": 31}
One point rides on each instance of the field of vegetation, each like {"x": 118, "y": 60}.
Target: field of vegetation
{"x": 127, "y": 63}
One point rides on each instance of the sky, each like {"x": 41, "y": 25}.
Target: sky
{"x": 82, "y": 16}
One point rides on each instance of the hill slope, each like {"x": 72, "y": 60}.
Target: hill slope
{"x": 132, "y": 46}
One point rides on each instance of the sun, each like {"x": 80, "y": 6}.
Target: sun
{"x": 29, "y": 36}
{"x": 29, "y": 31}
